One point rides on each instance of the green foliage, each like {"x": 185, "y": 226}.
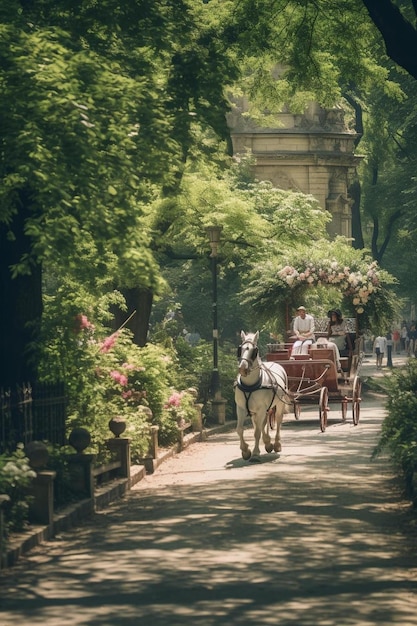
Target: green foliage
{"x": 321, "y": 49}
{"x": 279, "y": 285}
{"x": 15, "y": 478}
{"x": 106, "y": 374}
{"x": 399, "y": 429}
{"x": 64, "y": 493}
{"x": 259, "y": 222}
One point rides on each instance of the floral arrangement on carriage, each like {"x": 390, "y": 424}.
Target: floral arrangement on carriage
{"x": 333, "y": 273}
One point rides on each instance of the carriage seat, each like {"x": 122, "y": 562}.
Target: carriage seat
{"x": 328, "y": 354}
{"x": 282, "y": 354}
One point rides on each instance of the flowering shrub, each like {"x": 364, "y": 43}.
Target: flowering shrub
{"x": 180, "y": 406}
{"x": 15, "y": 476}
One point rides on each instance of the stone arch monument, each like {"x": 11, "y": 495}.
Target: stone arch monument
{"x": 311, "y": 152}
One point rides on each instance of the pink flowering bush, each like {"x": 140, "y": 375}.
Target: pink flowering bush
{"x": 106, "y": 375}
{"x": 180, "y": 406}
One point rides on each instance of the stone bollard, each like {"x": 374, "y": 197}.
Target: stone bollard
{"x": 153, "y": 442}
{"x": 121, "y": 447}
{"x": 153, "y": 450}
{"x": 81, "y": 470}
{"x": 198, "y": 421}
{"x": 80, "y": 464}
{"x": 41, "y": 509}
{"x": 218, "y": 408}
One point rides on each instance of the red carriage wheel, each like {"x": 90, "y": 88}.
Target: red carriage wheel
{"x": 356, "y": 400}
{"x": 323, "y": 408}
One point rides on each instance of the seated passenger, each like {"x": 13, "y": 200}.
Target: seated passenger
{"x": 322, "y": 342}
{"x": 303, "y": 332}
{"x": 336, "y": 329}
{"x": 336, "y": 335}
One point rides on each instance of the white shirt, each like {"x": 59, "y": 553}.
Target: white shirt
{"x": 304, "y": 326}
{"x": 381, "y": 343}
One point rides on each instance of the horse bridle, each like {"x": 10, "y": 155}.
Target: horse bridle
{"x": 254, "y": 354}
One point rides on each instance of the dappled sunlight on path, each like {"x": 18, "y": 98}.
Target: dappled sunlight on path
{"x": 310, "y": 536}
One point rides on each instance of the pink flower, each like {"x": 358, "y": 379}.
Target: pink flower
{"x": 83, "y": 323}
{"x": 109, "y": 342}
{"x": 119, "y": 378}
{"x": 174, "y": 400}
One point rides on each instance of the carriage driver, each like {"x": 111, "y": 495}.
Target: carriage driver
{"x": 303, "y": 332}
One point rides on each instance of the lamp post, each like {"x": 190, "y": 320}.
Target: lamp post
{"x": 213, "y": 233}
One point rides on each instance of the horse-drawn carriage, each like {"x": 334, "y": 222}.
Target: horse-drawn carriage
{"x": 267, "y": 390}
{"x": 314, "y": 377}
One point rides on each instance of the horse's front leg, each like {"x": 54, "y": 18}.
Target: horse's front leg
{"x": 241, "y": 417}
{"x": 279, "y": 413}
{"x": 266, "y": 436}
{"x": 258, "y": 422}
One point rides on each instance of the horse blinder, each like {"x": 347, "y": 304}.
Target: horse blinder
{"x": 254, "y": 353}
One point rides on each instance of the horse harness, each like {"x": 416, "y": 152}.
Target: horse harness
{"x": 249, "y": 389}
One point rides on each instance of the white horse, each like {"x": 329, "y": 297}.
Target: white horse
{"x": 260, "y": 388}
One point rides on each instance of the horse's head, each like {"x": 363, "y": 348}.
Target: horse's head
{"x": 247, "y": 352}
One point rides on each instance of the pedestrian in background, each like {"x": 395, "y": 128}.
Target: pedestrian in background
{"x": 412, "y": 335}
{"x": 390, "y": 342}
{"x": 380, "y": 347}
{"x": 404, "y": 336}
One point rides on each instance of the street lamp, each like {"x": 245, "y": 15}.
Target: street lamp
{"x": 213, "y": 233}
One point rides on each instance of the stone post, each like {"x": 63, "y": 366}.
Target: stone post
{"x": 41, "y": 509}
{"x": 81, "y": 469}
{"x": 198, "y": 421}
{"x": 153, "y": 442}
{"x": 80, "y": 464}
{"x": 153, "y": 450}
{"x": 218, "y": 406}
{"x": 121, "y": 447}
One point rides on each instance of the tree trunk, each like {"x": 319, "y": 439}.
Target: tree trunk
{"x": 355, "y": 194}
{"x": 140, "y": 300}
{"x": 21, "y": 306}
{"x": 399, "y": 34}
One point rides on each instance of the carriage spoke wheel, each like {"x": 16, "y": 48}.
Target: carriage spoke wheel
{"x": 356, "y": 400}
{"x": 323, "y": 408}
{"x": 297, "y": 410}
{"x": 272, "y": 416}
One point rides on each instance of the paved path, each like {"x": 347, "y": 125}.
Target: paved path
{"x": 317, "y": 536}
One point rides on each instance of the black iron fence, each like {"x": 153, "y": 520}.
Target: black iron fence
{"x": 29, "y": 413}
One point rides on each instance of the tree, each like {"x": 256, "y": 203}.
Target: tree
{"x": 259, "y": 222}
{"x": 99, "y": 103}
